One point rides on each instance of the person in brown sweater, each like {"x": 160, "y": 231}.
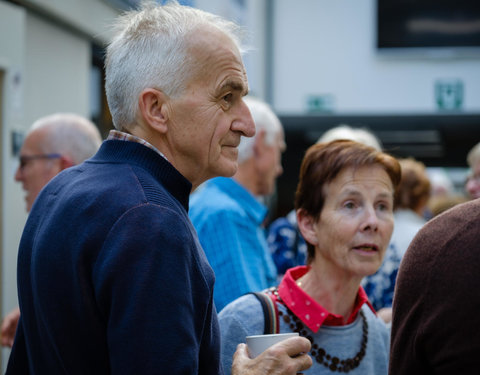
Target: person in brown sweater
{"x": 436, "y": 308}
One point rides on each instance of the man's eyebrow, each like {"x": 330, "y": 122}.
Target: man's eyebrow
{"x": 234, "y": 85}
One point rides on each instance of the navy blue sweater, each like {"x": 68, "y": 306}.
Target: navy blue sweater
{"x": 111, "y": 276}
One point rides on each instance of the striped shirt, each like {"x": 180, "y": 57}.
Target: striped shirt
{"x": 122, "y": 136}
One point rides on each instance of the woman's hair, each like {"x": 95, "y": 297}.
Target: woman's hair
{"x": 151, "y": 49}
{"x": 264, "y": 119}
{"x": 324, "y": 161}
{"x": 414, "y": 187}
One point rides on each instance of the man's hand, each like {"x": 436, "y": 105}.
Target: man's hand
{"x": 9, "y": 326}
{"x": 287, "y": 357}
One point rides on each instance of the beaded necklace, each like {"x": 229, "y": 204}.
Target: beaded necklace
{"x": 333, "y": 363}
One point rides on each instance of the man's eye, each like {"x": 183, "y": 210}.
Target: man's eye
{"x": 228, "y": 98}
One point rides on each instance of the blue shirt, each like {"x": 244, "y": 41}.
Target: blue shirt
{"x": 228, "y": 220}
{"x": 287, "y": 246}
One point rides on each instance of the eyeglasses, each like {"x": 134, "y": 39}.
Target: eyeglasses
{"x": 25, "y": 159}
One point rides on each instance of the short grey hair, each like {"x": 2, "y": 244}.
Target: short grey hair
{"x": 70, "y": 135}
{"x": 360, "y": 135}
{"x": 473, "y": 156}
{"x": 150, "y": 49}
{"x": 264, "y": 119}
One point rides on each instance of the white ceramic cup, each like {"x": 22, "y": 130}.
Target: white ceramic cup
{"x": 259, "y": 343}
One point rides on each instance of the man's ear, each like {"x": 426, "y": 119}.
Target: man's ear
{"x": 152, "y": 104}
{"x": 66, "y": 162}
{"x": 306, "y": 224}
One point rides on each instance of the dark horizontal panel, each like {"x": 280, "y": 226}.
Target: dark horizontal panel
{"x": 439, "y": 140}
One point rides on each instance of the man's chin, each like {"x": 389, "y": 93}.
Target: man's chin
{"x": 228, "y": 169}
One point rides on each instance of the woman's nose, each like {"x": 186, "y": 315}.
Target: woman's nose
{"x": 370, "y": 219}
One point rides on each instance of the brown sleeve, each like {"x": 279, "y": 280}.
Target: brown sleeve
{"x": 436, "y": 307}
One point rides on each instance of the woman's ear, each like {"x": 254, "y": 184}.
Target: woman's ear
{"x": 306, "y": 224}
{"x": 152, "y": 105}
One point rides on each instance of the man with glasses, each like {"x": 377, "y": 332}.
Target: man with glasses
{"x": 52, "y": 144}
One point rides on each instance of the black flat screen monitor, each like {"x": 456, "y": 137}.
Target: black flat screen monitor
{"x": 451, "y": 26}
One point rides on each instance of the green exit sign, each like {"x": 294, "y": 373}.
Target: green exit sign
{"x": 320, "y": 103}
{"x": 449, "y": 94}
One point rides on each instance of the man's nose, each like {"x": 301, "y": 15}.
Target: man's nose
{"x": 244, "y": 122}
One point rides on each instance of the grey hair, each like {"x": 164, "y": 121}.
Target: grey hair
{"x": 150, "y": 49}
{"x": 70, "y": 135}
{"x": 264, "y": 119}
{"x": 359, "y": 135}
{"x": 473, "y": 156}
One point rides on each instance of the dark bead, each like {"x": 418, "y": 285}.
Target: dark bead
{"x": 303, "y": 332}
{"x": 286, "y": 319}
{"x": 335, "y": 360}
{"x": 328, "y": 356}
{"x": 321, "y": 351}
{"x": 310, "y": 338}
{"x": 333, "y": 367}
{"x": 319, "y": 359}
{"x": 313, "y": 353}
{"x": 314, "y": 346}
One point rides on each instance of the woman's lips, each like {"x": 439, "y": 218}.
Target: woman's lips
{"x": 367, "y": 248}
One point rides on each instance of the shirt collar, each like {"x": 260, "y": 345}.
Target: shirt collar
{"x": 122, "y": 136}
{"x": 310, "y": 312}
{"x": 252, "y": 206}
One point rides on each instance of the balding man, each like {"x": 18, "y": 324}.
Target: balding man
{"x": 52, "y": 144}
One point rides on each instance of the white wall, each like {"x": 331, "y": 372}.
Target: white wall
{"x": 46, "y": 68}
{"x": 328, "y": 47}
{"x": 12, "y": 37}
{"x": 57, "y": 70}
{"x": 252, "y": 18}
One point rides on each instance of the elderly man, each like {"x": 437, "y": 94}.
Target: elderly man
{"x": 228, "y": 214}
{"x": 52, "y": 144}
{"x": 112, "y": 277}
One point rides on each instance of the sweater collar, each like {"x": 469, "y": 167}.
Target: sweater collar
{"x": 139, "y": 155}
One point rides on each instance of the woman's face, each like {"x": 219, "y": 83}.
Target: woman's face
{"x": 356, "y": 222}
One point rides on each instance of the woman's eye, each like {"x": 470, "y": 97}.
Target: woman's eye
{"x": 349, "y": 205}
{"x": 383, "y": 207}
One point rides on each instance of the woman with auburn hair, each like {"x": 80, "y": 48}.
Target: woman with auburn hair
{"x": 344, "y": 205}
